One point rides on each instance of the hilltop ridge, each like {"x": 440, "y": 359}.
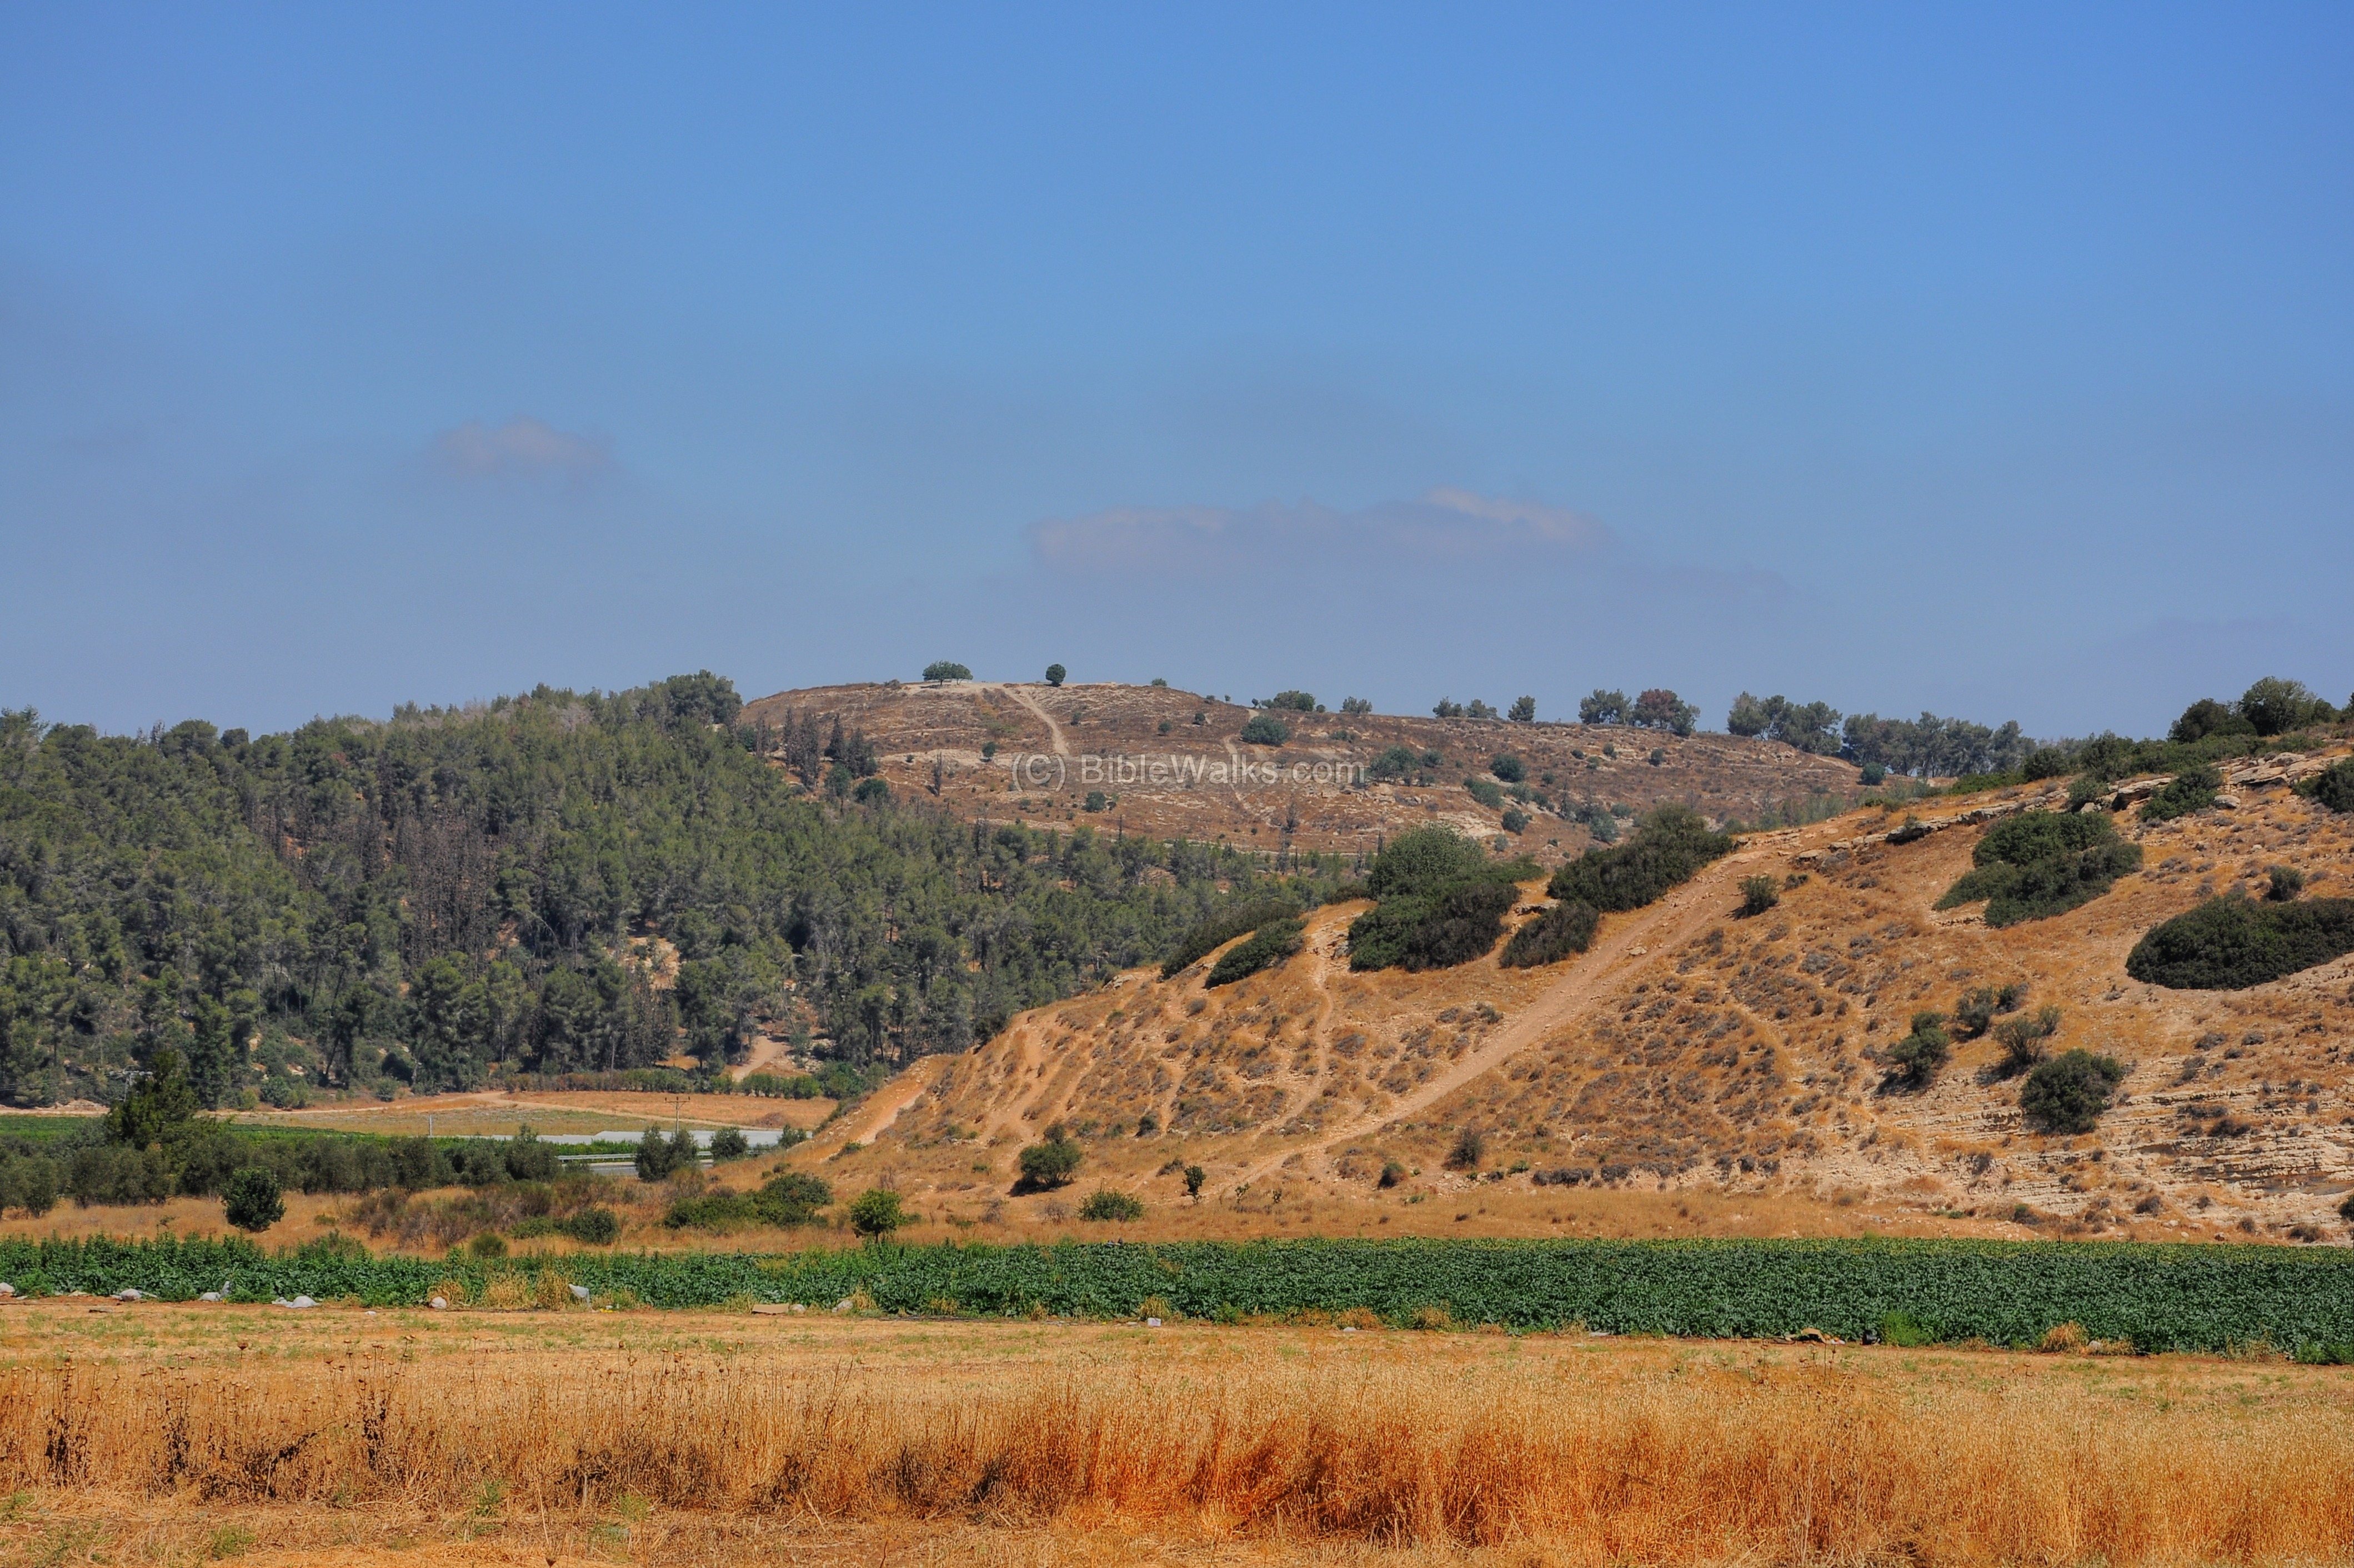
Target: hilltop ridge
{"x": 1034, "y": 752}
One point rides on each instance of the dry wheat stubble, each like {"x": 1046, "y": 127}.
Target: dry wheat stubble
{"x": 1593, "y": 1450}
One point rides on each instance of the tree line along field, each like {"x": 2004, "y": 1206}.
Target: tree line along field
{"x": 2138, "y": 1297}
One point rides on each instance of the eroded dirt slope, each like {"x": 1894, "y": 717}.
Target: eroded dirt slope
{"x": 1695, "y": 1051}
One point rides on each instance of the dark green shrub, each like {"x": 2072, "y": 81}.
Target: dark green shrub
{"x": 1919, "y": 1057}
{"x": 1508, "y": 767}
{"x": 1293, "y": 702}
{"x": 29, "y": 1182}
{"x": 2286, "y": 882}
{"x": 1471, "y": 1148}
{"x": 2068, "y": 1093}
{"x": 730, "y": 1143}
{"x": 1397, "y": 762}
{"x": 1759, "y": 894}
{"x": 1562, "y": 931}
{"x": 1442, "y": 902}
{"x": 2193, "y": 790}
{"x": 876, "y": 1213}
{"x": 1514, "y": 821}
{"x": 252, "y": 1202}
{"x": 1056, "y": 675}
{"x": 2234, "y": 942}
{"x": 1103, "y": 1203}
{"x": 714, "y": 1212}
{"x": 2023, "y": 1041}
{"x": 1670, "y": 844}
{"x": 1096, "y": 801}
{"x": 1453, "y": 924}
{"x": 2205, "y": 717}
{"x": 658, "y": 1156}
{"x": 1214, "y": 933}
{"x": 1264, "y": 730}
{"x": 110, "y": 1173}
{"x": 1393, "y": 1173}
{"x": 489, "y": 1243}
{"x": 2040, "y": 864}
{"x": 1423, "y": 859}
{"x": 871, "y": 792}
{"x": 1903, "y": 1330}
{"x": 1052, "y": 1163}
{"x": 1357, "y": 706}
{"x": 1523, "y": 711}
{"x": 1268, "y": 946}
{"x": 1194, "y": 1177}
{"x": 946, "y": 670}
{"x": 792, "y": 1198}
{"x": 2334, "y": 787}
{"x": 597, "y": 1226}
{"x": 1484, "y": 791}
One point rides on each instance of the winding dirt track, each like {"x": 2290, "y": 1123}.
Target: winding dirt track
{"x": 1626, "y": 941}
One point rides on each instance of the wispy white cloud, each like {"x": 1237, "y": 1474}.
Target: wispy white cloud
{"x": 1441, "y": 526}
{"x": 523, "y": 447}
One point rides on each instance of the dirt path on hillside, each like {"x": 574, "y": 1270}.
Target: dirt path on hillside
{"x": 883, "y": 1107}
{"x": 1627, "y": 940}
{"x": 1038, "y": 710}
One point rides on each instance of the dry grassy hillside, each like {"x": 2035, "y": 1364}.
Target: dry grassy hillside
{"x": 1702, "y": 1059}
{"x": 1298, "y": 792}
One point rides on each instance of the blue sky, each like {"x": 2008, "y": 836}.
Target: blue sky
{"x": 1995, "y": 360}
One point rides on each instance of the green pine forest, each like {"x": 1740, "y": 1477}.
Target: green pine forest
{"x": 456, "y": 896}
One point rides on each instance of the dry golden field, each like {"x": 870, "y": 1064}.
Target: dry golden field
{"x": 160, "y": 1434}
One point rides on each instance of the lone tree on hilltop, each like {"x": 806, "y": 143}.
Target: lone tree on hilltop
{"x": 1602, "y": 707}
{"x": 1660, "y": 708}
{"x": 1055, "y": 675}
{"x": 1523, "y": 710}
{"x": 944, "y": 670}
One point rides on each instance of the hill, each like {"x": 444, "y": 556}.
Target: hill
{"x": 1693, "y": 1052}
{"x": 552, "y": 883}
{"x": 1164, "y": 763}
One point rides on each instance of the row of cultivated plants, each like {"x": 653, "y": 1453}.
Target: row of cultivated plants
{"x": 2152, "y": 1297}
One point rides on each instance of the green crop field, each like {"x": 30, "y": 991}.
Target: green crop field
{"x": 2159, "y": 1296}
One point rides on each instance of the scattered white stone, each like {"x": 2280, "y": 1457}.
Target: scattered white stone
{"x": 580, "y": 1293}
{"x": 842, "y": 1304}
{"x": 7, "y": 1288}
{"x": 127, "y": 1294}
{"x": 440, "y": 1303}
{"x": 799, "y": 1308}
{"x": 1348, "y": 1327}
{"x": 299, "y": 1303}
{"x": 212, "y": 1295}
{"x": 1152, "y": 1322}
